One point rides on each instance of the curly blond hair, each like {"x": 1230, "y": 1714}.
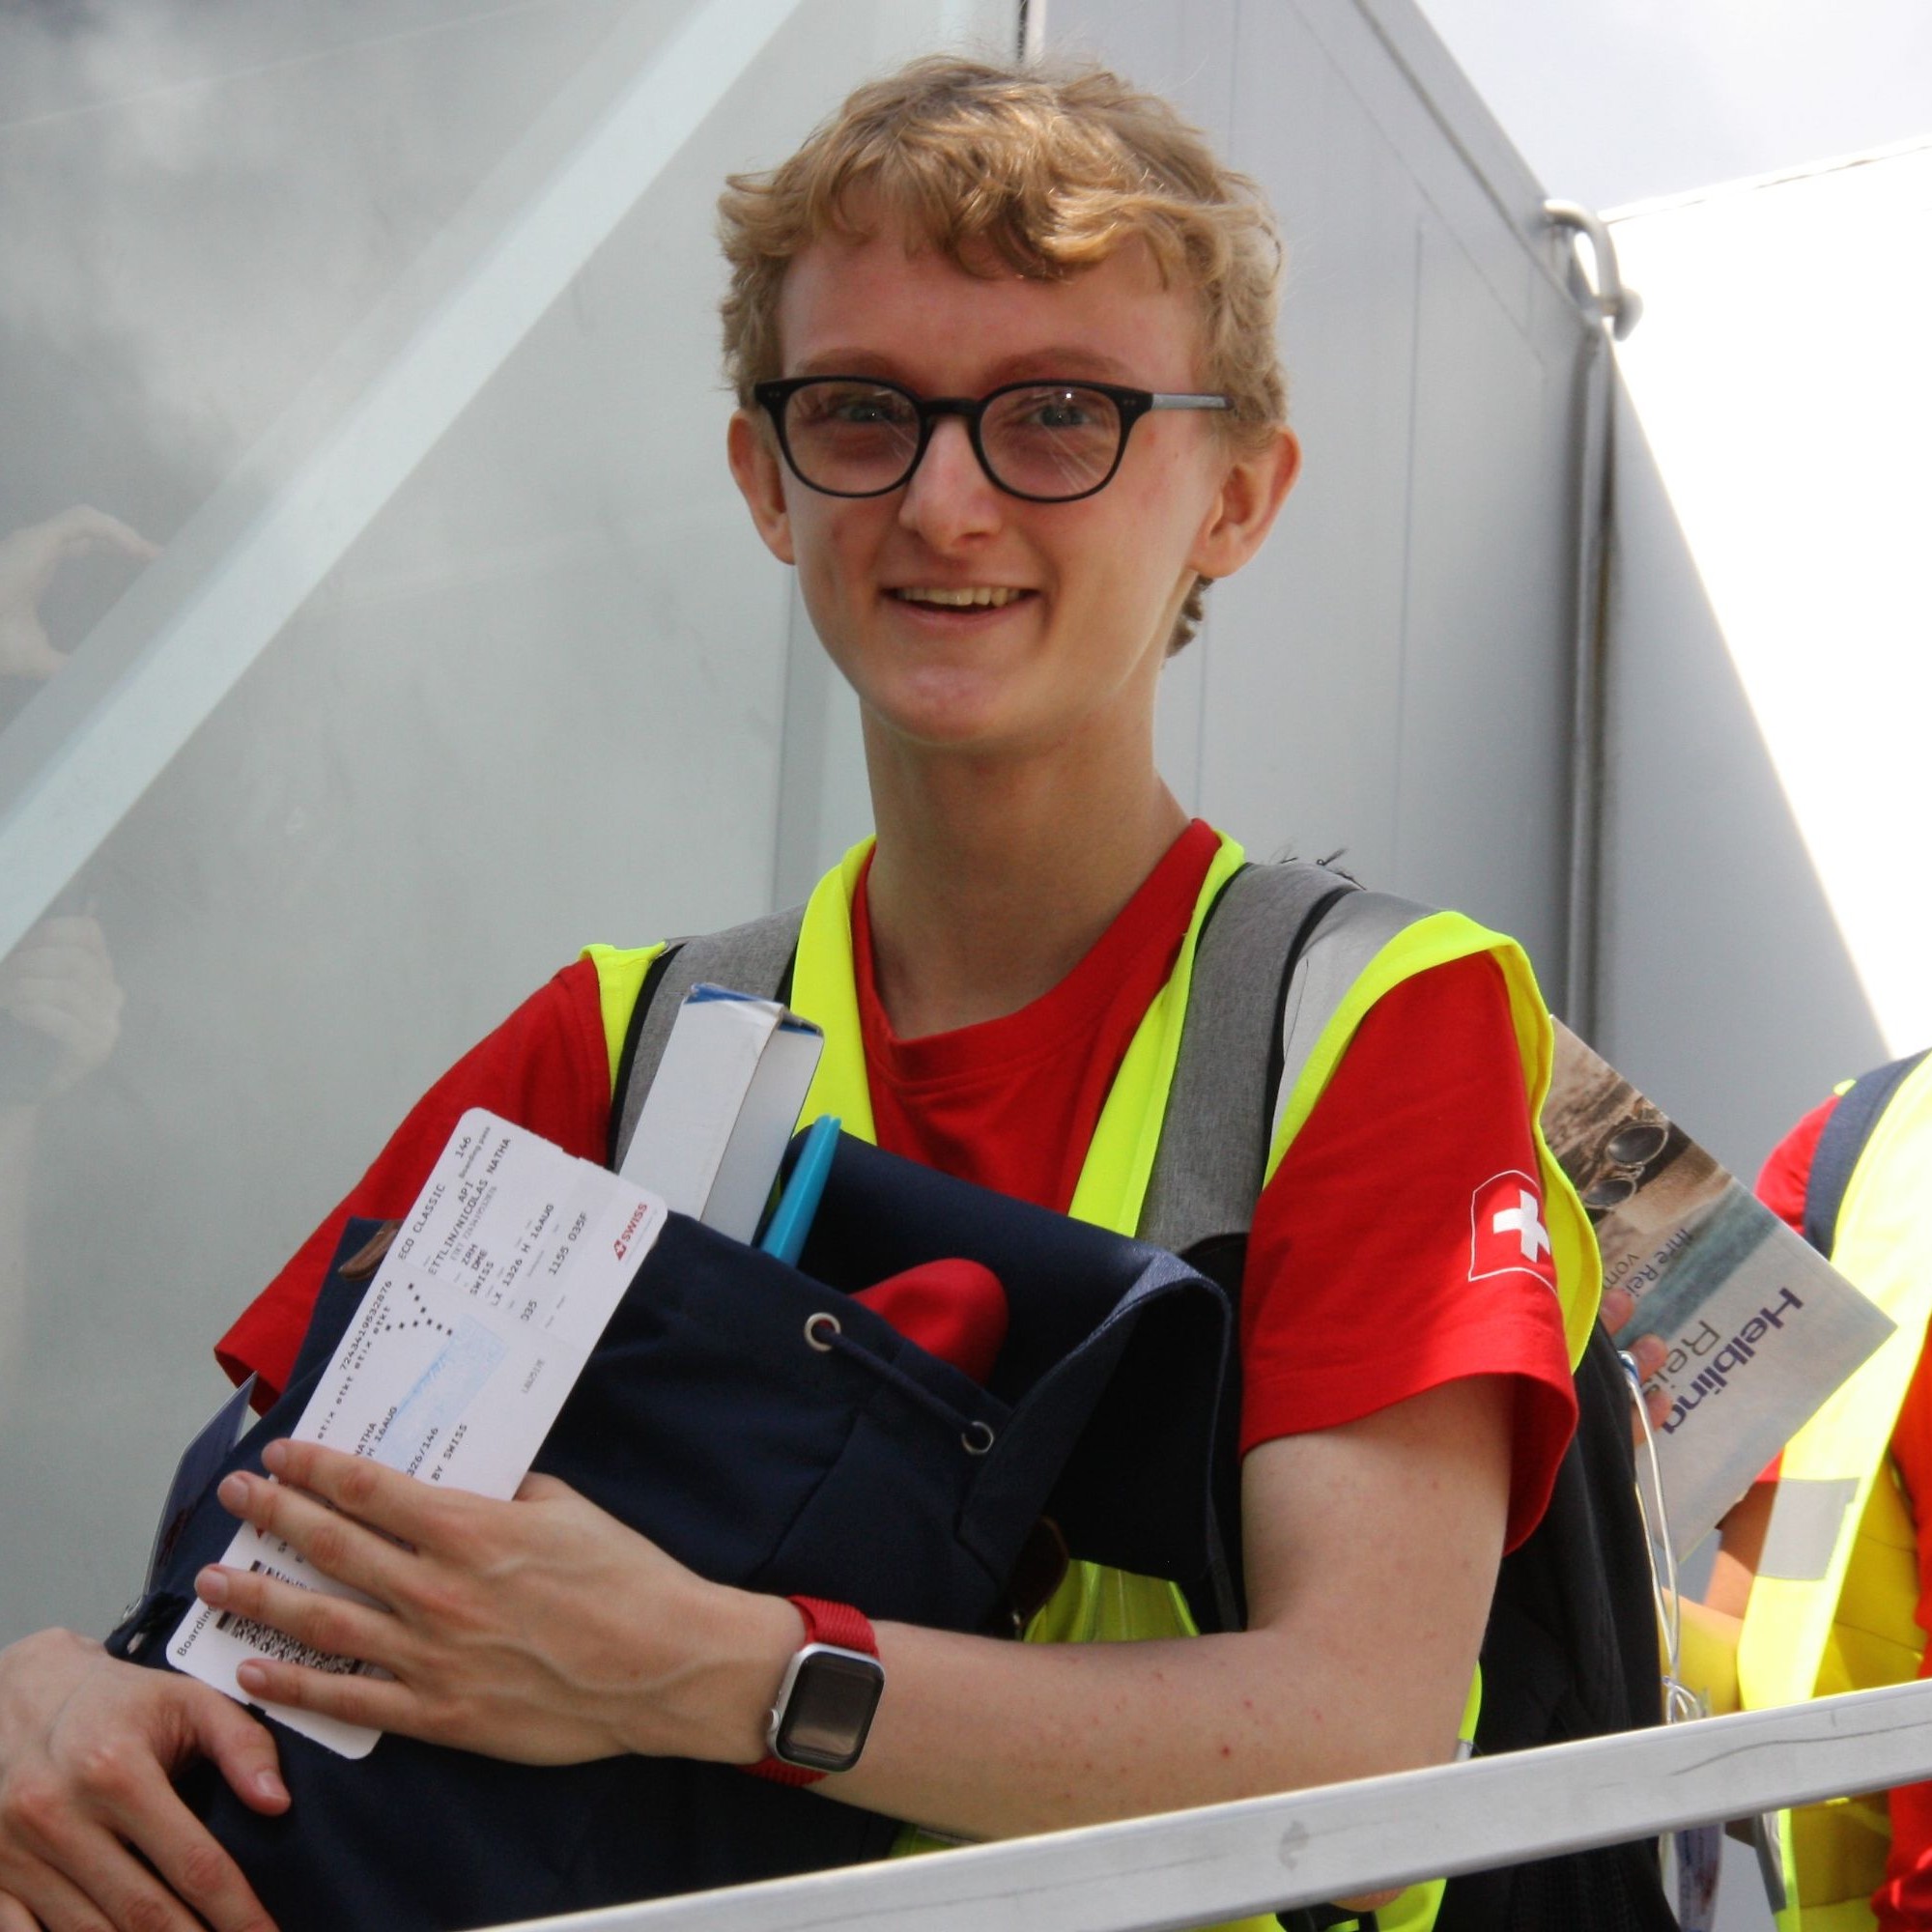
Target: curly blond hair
{"x": 1042, "y": 171}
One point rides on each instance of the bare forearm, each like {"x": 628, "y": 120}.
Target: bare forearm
{"x": 1352, "y": 1668}
{"x": 990, "y": 1740}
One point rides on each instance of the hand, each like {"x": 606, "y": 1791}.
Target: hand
{"x": 59, "y": 981}
{"x": 1647, "y": 1351}
{"x": 87, "y": 1748}
{"x": 28, "y": 562}
{"x": 541, "y": 1631}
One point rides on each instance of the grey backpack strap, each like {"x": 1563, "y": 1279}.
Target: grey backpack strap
{"x": 1213, "y": 1141}
{"x": 1281, "y": 949}
{"x": 1332, "y": 960}
{"x": 751, "y": 959}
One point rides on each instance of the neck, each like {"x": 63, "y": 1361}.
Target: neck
{"x": 993, "y": 876}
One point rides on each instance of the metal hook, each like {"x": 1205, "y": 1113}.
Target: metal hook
{"x": 1621, "y": 307}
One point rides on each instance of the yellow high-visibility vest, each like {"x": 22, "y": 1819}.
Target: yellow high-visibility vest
{"x": 1832, "y": 1606}
{"x": 1094, "y": 1604}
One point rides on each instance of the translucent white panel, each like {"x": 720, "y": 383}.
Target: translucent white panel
{"x": 392, "y": 325}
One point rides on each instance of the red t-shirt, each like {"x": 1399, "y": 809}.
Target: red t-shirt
{"x": 1371, "y": 1215}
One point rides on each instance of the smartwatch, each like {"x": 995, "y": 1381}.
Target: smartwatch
{"x": 826, "y": 1698}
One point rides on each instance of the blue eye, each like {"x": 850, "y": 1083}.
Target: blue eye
{"x": 835, "y": 405}
{"x": 1057, "y": 413}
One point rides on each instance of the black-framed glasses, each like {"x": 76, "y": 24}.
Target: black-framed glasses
{"x": 1047, "y": 441}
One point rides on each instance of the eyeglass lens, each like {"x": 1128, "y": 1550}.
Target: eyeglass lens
{"x": 1631, "y": 1147}
{"x": 859, "y": 439}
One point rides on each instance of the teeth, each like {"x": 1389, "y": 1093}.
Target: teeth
{"x": 976, "y": 594}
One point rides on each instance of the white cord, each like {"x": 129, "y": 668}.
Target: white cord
{"x": 1680, "y": 1703}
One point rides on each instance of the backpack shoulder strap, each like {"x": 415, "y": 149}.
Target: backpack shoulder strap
{"x": 1214, "y": 1136}
{"x": 755, "y": 958}
{"x": 1846, "y": 1132}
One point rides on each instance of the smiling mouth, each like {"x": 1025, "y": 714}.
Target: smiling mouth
{"x": 967, "y": 597}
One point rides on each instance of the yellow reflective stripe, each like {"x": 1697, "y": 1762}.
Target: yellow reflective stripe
{"x": 1114, "y": 1176}
{"x": 1096, "y": 1604}
{"x": 1884, "y": 1245}
{"x": 824, "y": 990}
{"x": 1119, "y": 1157}
{"x": 1435, "y": 941}
{"x": 621, "y": 978}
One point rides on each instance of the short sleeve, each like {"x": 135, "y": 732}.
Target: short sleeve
{"x": 1402, "y": 1243}
{"x": 1785, "y": 1177}
{"x": 546, "y": 1068}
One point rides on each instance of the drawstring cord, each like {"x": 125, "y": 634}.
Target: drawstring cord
{"x": 824, "y": 1333}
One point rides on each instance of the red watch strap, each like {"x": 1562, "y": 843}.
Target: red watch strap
{"x": 837, "y": 1624}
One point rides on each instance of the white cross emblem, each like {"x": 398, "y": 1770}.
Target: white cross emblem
{"x": 1523, "y": 1222}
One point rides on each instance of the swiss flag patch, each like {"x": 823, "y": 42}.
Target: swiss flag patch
{"x": 1508, "y": 1234}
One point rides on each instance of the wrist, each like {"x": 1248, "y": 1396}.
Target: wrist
{"x": 742, "y": 1641}
{"x": 827, "y": 1698}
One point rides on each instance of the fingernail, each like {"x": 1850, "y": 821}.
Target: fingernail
{"x": 274, "y": 1456}
{"x": 234, "y": 1491}
{"x": 211, "y": 1585}
{"x": 271, "y": 1787}
{"x": 251, "y": 1676}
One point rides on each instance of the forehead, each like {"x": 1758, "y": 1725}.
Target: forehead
{"x": 887, "y": 304}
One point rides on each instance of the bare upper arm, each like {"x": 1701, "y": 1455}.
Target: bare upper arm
{"x": 1373, "y": 1547}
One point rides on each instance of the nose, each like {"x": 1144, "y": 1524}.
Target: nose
{"x": 950, "y": 499}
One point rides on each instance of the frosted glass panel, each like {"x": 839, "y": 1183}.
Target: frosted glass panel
{"x": 378, "y": 624}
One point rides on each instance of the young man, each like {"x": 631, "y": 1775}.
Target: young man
{"x": 1005, "y": 353}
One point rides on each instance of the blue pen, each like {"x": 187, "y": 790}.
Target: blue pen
{"x": 791, "y": 1219}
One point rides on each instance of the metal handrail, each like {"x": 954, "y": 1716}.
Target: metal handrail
{"x": 1188, "y": 1868}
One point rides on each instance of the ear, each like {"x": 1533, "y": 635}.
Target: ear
{"x": 755, "y": 468}
{"x": 1244, "y": 509}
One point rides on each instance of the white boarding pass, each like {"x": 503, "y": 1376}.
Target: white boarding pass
{"x": 485, "y": 1307}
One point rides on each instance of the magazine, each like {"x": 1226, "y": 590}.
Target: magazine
{"x": 1759, "y": 1328}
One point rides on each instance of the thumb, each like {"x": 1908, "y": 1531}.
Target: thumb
{"x": 26, "y": 651}
{"x": 243, "y": 1749}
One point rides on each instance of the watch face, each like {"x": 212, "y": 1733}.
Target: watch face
{"x": 829, "y": 1709}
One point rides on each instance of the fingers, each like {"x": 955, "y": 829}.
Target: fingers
{"x": 25, "y": 648}
{"x": 380, "y": 1703}
{"x": 15, "y": 1917}
{"x": 385, "y": 1498}
{"x": 87, "y": 1880}
{"x": 1649, "y": 1352}
{"x": 1617, "y": 1307}
{"x": 83, "y": 527}
{"x": 338, "y": 1545}
{"x": 333, "y": 1625}
{"x": 244, "y": 1752}
{"x": 56, "y": 1904}
{"x": 190, "y": 1863}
